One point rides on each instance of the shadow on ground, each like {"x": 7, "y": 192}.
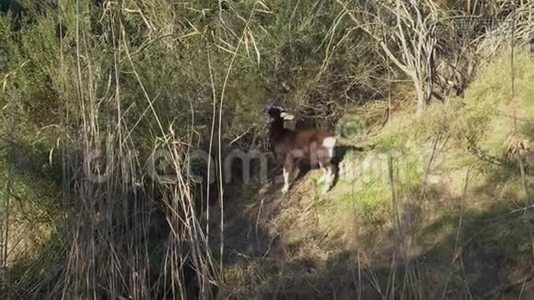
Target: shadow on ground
{"x": 478, "y": 253}
{"x": 485, "y": 254}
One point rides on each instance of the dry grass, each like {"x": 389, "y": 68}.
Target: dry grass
{"x": 130, "y": 81}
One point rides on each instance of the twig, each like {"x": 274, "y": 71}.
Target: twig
{"x": 457, "y": 249}
{"x": 528, "y": 204}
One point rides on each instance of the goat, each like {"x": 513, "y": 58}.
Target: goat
{"x": 292, "y": 147}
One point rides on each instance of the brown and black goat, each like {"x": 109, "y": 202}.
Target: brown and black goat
{"x": 293, "y": 147}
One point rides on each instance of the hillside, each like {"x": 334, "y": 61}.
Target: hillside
{"x": 451, "y": 224}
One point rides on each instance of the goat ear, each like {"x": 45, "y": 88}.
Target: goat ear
{"x": 287, "y": 116}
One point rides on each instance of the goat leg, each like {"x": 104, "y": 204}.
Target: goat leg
{"x": 286, "y": 170}
{"x": 322, "y": 178}
{"x": 328, "y": 177}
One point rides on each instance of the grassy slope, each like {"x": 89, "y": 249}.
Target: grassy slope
{"x": 462, "y": 232}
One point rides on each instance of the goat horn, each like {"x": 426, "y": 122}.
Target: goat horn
{"x": 287, "y": 116}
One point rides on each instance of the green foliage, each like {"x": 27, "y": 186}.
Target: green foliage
{"x": 137, "y": 76}
{"x": 364, "y": 193}
{"x": 491, "y": 106}
{"x": 128, "y": 77}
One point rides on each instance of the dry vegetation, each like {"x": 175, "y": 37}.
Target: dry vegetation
{"x": 95, "y": 93}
